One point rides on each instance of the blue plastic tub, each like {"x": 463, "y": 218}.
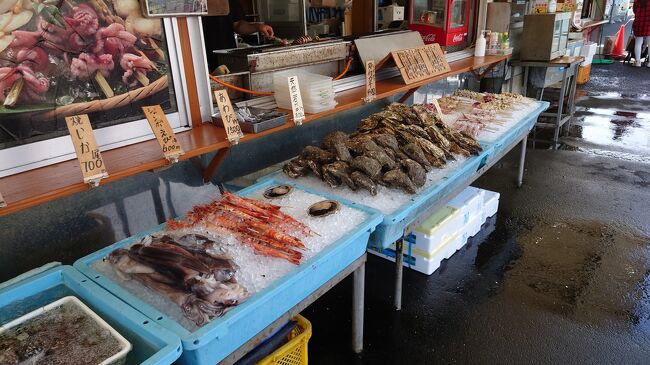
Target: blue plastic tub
{"x": 392, "y": 228}
{"x": 222, "y": 336}
{"x": 151, "y": 343}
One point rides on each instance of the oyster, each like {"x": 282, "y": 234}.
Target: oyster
{"x": 317, "y": 154}
{"x": 387, "y": 141}
{"x": 367, "y": 165}
{"x": 334, "y": 138}
{"x": 315, "y": 167}
{"x": 339, "y": 170}
{"x": 324, "y": 208}
{"x": 384, "y": 160}
{"x": 433, "y": 153}
{"x": 295, "y": 168}
{"x": 414, "y": 151}
{"x": 362, "y": 180}
{"x": 415, "y": 172}
{"x": 341, "y": 151}
{"x": 437, "y": 137}
{"x": 399, "y": 179}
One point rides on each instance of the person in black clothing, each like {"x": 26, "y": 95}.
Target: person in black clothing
{"x": 218, "y": 31}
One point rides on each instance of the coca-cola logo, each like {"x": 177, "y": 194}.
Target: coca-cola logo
{"x": 458, "y": 37}
{"x": 428, "y": 38}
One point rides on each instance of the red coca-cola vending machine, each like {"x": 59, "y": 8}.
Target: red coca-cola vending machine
{"x": 440, "y": 21}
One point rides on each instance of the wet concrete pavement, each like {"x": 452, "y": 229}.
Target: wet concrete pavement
{"x": 560, "y": 275}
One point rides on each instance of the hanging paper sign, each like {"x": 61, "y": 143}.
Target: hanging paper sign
{"x": 163, "y": 131}
{"x": 296, "y": 100}
{"x": 228, "y": 117}
{"x": 3, "y": 203}
{"x": 371, "y": 89}
{"x": 90, "y": 158}
{"x": 421, "y": 63}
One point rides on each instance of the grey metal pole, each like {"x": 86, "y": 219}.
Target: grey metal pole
{"x": 560, "y": 108}
{"x": 399, "y": 270}
{"x": 358, "y": 307}
{"x": 522, "y": 160}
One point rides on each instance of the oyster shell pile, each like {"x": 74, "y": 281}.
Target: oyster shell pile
{"x": 394, "y": 147}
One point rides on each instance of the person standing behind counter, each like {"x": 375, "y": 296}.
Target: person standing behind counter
{"x": 218, "y": 31}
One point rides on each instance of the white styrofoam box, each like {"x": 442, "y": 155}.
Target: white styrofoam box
{"x": 588, "y": 52}
{"x": 437, "y": 228}
{"x": 424, "y": 262}
{"x": 473, "y": 226}
{"x": 469, "y": 202}
{"x": 490, "y": 204}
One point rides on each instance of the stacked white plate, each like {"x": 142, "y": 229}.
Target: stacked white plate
{"x": 316, "y": 91}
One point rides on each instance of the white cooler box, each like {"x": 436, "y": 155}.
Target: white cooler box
{"x": 490, "y": 204}
{"x": 469, "y": 202}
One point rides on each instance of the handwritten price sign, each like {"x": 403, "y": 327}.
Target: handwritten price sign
{"x": 228, "y": 117}
{"x": 90, "y": 159}
{"x": 3, "y": 203}
{"x": 163, "y": 131}
{"x": 437, "y": 106}
{"x": 296, "y": 100}
{"x": 371, "y": 88}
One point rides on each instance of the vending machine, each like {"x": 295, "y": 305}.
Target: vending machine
{"x": 440, "y": 21}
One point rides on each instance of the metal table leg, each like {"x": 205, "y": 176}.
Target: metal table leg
{"x": 525, "y": 88}
{"x": 522, "y": 160}
{"x": 560, "y": 108}
{"x": 357, "y": 308}
{"x": 399, "y": 270}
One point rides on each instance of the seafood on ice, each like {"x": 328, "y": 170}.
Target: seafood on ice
{"x": 262, "y": 226}
{"x": 394, "y": 147}
{"x": 189, "y": 269}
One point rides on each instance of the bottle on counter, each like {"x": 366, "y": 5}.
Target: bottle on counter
{"x": 479, "y": 50}
{"x": 552, "y": 6}
{"x": 494, "y": 40}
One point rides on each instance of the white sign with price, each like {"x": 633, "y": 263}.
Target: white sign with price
{"x": 371, "y": 88}
{"x": 163, "y": 131}
{"x": 85, "y": 145}
{"x": 228, "y": 117}
{"x": 296, "y": 100}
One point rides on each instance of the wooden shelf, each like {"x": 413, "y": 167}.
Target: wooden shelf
{"x": 38, "y": 186}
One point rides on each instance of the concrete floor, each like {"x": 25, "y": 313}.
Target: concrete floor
{"x": 561, "y": 275}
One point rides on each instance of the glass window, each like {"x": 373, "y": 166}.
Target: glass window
{"x": 82, "y": 58}
{"x": 458, "y": 10}
{"x": 429, "y": 12}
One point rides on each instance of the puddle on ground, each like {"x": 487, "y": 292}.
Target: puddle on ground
{"x": 586, "y": 271}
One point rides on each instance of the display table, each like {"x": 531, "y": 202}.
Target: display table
{"x": 569, "y": 66}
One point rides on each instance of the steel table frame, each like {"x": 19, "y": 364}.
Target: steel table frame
{"x": 356, "y": 268}
{"x": 522, "y": 139}
{"x": 561, "y": 116}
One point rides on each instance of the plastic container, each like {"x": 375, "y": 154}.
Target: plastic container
{"x": 469, "y": 202}
{"x": 216, "y": 340}
{"x": 437, "y": 228}
{"x": 584, "y": 74}
{"x": 490, "y": 204}
{"x": 295, "y": 351}
{"x": 588, "y": 51}
{"x": 151, "y": 344}
{"x": 116, "y": 359}
{"x": 479, "y": 50}
{"x": 316, "y": 91}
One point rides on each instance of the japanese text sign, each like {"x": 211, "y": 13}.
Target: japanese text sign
{"x": 3, "y": 203}
{"x": 437, "y": 106}
{"x": 296, "y": 100}
{"x": 90, "y": 158}
{"x": 228, "y": 117}
{"x": 416, "y": 64}
{"x": 371, "y": 88}
{"x": 163, "y": 132}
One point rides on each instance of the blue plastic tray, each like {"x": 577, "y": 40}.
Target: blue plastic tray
{"x": 392, "y": 228}
{"x": 151, "y": 343}
{"x": 222, "y": 336}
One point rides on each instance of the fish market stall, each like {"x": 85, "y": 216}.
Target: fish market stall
{"x": 407, "y": 162}
{"x": 231, "y": 272}
{"x": 59, "y": 316}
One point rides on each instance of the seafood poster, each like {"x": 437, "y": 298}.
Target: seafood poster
{"x": 60, "y": 58}
{"x": 160, "y": 8}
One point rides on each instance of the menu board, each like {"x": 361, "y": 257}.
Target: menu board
{"x": 163, "y": 132}
{"x": 421, "y": 63}
{"x": 90, "y": 158}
